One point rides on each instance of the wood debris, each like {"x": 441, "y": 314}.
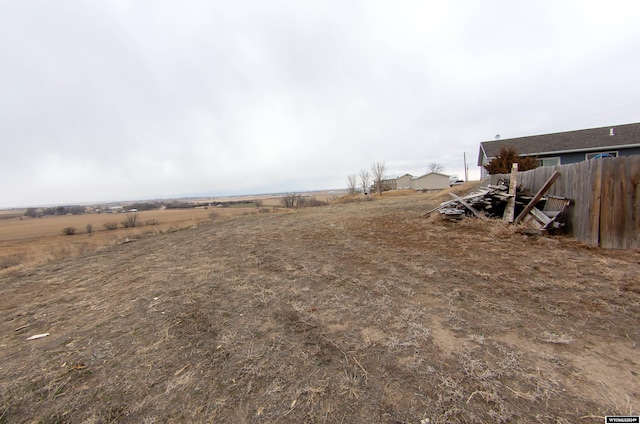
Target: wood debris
{"x": 507, "y": 200}
{"x": 489, "y": 201}
{"x": 38, "y": 336}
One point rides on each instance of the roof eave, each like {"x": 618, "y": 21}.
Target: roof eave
{"x": 587, "y": 149}
{"x": 481, "y": 154}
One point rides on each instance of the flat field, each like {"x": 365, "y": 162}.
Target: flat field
{"x": 363, "y": 312}
{"x": 25, "y": 240}
{"x": 16, "y": 228}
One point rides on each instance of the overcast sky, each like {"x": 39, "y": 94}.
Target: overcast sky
{"x": 131, "y": 100}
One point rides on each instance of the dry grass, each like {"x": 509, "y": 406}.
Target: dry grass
{"x": 357, "y": 312}
{"x": 15, "y": 229}
{"x": 33, "y": 241}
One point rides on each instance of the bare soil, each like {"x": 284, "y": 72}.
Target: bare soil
{"x": 352, "y": 313}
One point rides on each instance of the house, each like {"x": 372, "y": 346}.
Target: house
{"x": 431, "y": 181}
{"x": 389, "y": 183}
{"x": 568, "y": 147}
{"x": 393, "y": 182}
{"x": 404, "y": 182}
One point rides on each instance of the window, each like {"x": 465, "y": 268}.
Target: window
{"x": 554, "y": 161}
{"x": 598, "y": 155}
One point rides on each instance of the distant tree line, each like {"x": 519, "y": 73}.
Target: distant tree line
{"x": 179, "y": 205}
{"x": 138, "y": 206}
{"x": 190, "y": 205}
{"x": 144, "y": 206}
{"x": 56, "y": 210}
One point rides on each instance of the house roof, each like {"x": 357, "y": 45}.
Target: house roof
{"x": 429, "y": 173}
{"x": 395, "y": 177}
{"x": 627, "y": 135}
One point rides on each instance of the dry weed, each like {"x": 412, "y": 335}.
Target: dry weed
{"x": 358, "y": 312}
{"x": 550, "y": 337}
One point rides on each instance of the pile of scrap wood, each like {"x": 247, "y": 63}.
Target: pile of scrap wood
{"x": 489, "y": 201}
{"x": 510, "y": 202}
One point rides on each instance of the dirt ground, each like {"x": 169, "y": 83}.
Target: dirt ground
{"x": 362, "y": 312}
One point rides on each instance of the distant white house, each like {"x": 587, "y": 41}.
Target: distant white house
{"x": 404, "y": 182}
{"x": 431, "y": 181}
{"x": 394, "y": 182}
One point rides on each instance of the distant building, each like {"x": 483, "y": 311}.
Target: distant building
{"x": 389, "y": 183}
{"x": 404, "y": 182}
{"x": 394, "y": 182}
{"x": 431, "y": 181}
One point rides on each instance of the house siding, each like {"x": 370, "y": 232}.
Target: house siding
{"x": 404, "y": 182}
{"x": 575, "y": 157}
{"x": 389, "y": 184}
{"x": 431, "y": 181}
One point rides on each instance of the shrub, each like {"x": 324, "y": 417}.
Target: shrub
{"x": 11, "y": 260}
{"x": 151, "y": 222}
{"x": 297, "y": 201}
{"x": 130, "y": 222}
{"x": 292, "y": 200}
{"x": 111, "y": 225}
{"x": 213, "y": 215}
{"x": 69, "y": 231}
{"x": 502, "y": 163}
{"x": 89, "y": 228}
{"x": 313, "y": 202}
{"x": 31, "y": 212}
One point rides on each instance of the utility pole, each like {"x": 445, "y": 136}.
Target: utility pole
{"x": 466, "y": 169}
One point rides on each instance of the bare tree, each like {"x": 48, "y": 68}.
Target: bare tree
{"x": 293, "y": 200}
{"x": 435, "y": 167}
{"x": 289, "y": 201}
{"x": 352, "y": 183}
{"x": 365, "y": 178}
{"x": 377, "y": 171}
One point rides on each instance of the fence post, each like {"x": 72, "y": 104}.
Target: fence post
{"x": 537, "y": 197}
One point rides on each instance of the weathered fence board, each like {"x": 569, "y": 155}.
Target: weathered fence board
{"x": 591, "y": 233}
{"x": 634, "y": 214}
{"x": 606, "y": 205}
{"x": 605, "y": 196}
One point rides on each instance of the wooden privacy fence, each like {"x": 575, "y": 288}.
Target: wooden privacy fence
{"x": 605, "y": 198}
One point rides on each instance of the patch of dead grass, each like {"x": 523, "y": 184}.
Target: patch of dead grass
{"x": 356, "y": 312}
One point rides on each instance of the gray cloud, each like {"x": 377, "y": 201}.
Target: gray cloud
{"x": 128, "y": 100}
